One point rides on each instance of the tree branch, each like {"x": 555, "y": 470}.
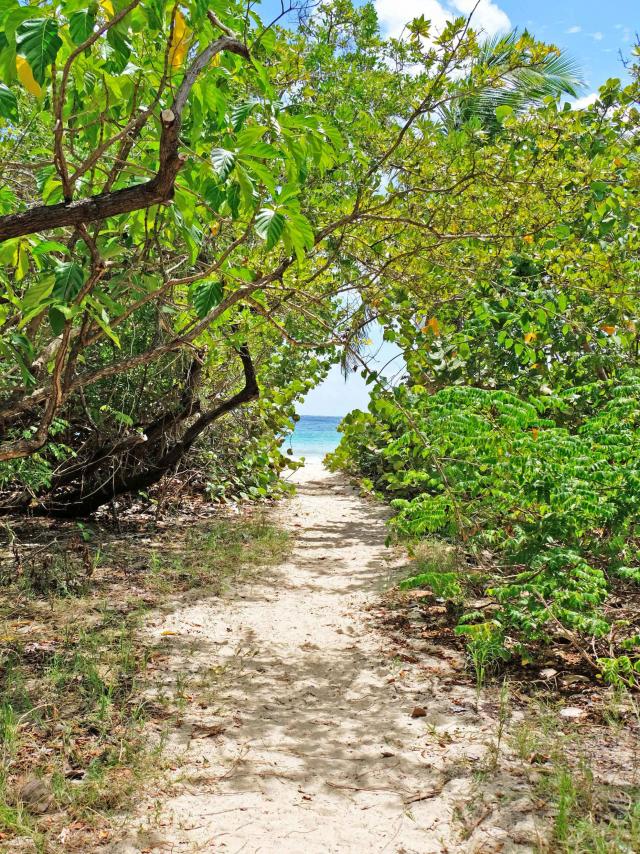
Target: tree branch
{"x": 157, "y": 190}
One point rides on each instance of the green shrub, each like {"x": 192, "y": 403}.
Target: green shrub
{"x": 557, "y": 507}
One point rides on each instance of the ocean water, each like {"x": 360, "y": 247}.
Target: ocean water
{"x": 314, "y": 436}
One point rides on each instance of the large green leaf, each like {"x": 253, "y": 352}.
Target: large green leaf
{"x": 8, "y": 104}
{"x": 56, "y": 320}
{"x": 240, "y": 112}
{"x": 69, "y": 280}
{"x": 223, "y": 162}
{"x": 270, "y": 225}
{"x": 206, "y": 295}
{"x": 38, "y": 292}
{"x": 38, "y": 41}
{"x": 81, "y": 25}
{"x": 300, "y": 230}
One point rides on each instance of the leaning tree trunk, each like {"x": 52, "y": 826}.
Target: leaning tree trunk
{"x": 137, "y": 462}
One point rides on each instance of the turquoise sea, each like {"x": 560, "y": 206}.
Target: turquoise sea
{"x": 314, "y": 436}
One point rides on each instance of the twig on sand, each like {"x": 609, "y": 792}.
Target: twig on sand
{"x": 407, "y": 797}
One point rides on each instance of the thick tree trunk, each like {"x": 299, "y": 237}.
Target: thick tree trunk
{"x": 127, "y": 468}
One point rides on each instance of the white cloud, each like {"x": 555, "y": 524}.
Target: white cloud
{"x": 586, "y": 101}
{"x": 574, "y": 29}
{"x": 395, "y": 14}
{"x": 597, "y": 36}
{"x": 488, "y": 17}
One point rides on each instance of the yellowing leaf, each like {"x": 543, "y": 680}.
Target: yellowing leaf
{"x": 534, "y": 433}
{"x": 432, "y": 325}
{"x": 21, "y": 260}
{"x": 167, "y": 632}
{"x": 107, "y": 7}
{"x": 608, "y": 330}
{"x": 214, "y": 228}
{"x": 25, "y": 76}
{"x": 528, "y": 238}
{"x": 179, "y": 41}
{"x": 215, "y": 61}
{"x": 530, "y": 336}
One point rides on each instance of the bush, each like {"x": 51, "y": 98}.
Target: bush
{"x": 558, "y": 505}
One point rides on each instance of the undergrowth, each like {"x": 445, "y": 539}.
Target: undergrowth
{"x": 590, "y": 796}
{"x": 542, "y": 492}
{"x": 73, "y": 657}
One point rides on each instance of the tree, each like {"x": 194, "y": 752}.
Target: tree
{"x": 553, "y": 76}
{"x": 176, "y": 199}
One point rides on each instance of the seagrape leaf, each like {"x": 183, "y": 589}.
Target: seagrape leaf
{"x": 38, "y": 41}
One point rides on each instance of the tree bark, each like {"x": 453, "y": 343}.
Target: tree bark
{"x": 158, "y": 190}
{"x": 139, "y": 473}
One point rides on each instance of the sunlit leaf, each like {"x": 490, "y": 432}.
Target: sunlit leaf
{"x": 179, "y": 41}
{"x": 38, "y": 41}
{"x": 223, "y": 162}
{"x": 25, "y": 76}
{"x": 269, "y": 226}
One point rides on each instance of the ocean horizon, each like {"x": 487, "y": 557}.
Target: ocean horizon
{"x": 314, "y": 436}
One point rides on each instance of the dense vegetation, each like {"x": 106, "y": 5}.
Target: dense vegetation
{"x": 515, "y": 430}
{"x": 200, "y": 213}
{"x": 199, "y": 210}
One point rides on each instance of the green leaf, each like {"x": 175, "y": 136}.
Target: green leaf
{"x": 56, "y": 320}
{"x": 81, "y": 25}
{"x": 262, "y": 173}
{"x": 269, "y": 226}
{"x": 49, "y": 246}
{"x": 38, "y": 41}
{"x": 300, "y": 230}
{"x": 8, "y": 104}
{"x": 223, "y": 162}
{"x": 37, "y": 293}
{"x": 240, "y": 113}
{"x": 206, "y": 295}
{"x": 503, "y": 111}
{"x": 68, "y": 281}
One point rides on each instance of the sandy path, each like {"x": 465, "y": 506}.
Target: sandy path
{"x": 319, "y": 751}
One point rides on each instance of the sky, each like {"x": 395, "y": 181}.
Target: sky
{"x": 593, "y": 32}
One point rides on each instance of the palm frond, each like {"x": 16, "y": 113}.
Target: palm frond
{"x": 554, "y": 75}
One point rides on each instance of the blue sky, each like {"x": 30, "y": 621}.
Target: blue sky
{"x": 593, "y": 32}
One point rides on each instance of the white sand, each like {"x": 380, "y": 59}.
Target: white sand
{"x": 319, "y": 751}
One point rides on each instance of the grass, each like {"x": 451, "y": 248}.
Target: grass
{"x": 438, "y": 569}
{"x": 591, "y": 792}
{"x": 73, "y": 748}
{"x": 584, "y": 774}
